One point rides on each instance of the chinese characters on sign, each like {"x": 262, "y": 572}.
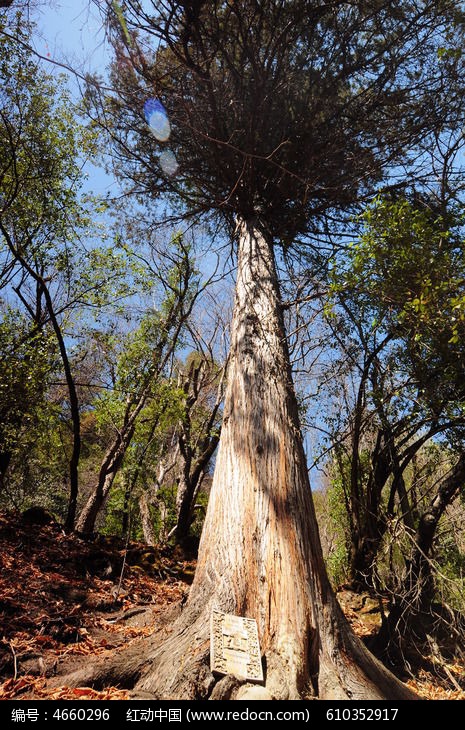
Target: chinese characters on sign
{"x": 234, "y": 646}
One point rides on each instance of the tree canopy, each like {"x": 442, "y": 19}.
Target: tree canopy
{"x": 287, "y": 110}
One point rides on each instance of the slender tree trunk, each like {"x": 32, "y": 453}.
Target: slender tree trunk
{"x": 146, "y": 520}
{"x": 75, "y": 415}
{"x": 188, "y": 488}
{"x": 448, "y": 488}
{"x": 366, "y": 531}
{"x": 128, "y": 487}
{"x": 366, "y": 523}
{"x": 111, "y": 463}
{"x": 72, "y": 392}
{"x": 163, "y": 517}
{"x": 184, "y": 497}
{"x": 5, "y": 458}
{"x": 134, "y": 404}
{"x": 366, "y": 540}
{"x": 86, "y": 521}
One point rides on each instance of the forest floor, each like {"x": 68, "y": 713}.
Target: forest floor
{"x": 64, "y": 601}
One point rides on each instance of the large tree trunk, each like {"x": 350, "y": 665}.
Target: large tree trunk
{"x": 260, "y": 553}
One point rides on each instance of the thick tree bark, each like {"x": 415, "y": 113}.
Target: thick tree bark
{"x": 260, "y": 553}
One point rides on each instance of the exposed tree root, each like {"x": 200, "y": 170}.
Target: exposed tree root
{"x": 178, "y": 668}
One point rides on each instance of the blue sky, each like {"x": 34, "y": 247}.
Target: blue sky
{"x": 71, "y": 33}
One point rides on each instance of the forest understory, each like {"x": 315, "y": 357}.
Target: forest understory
{"x": 66, "y": 603}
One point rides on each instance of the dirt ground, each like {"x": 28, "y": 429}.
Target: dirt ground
{"x": 64, "y": 601}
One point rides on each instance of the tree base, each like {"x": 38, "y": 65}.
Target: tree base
{"x": 177, "y": 667}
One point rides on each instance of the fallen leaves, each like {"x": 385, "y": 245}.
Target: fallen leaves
{"x": 430, "y": 690}
{"x": 37, "y": 687}
{"x": 57, "y": 604}
{"x": 56, "y": 598}
{"x": 13, "y": 687}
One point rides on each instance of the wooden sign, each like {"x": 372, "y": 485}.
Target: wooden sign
{"x": 234, "y": 646}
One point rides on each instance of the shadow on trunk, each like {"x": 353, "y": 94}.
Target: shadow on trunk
{"x": 260, "y": 553}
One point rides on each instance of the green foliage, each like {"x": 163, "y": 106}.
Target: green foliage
{"x": 337, "y": 561}
{"x": 448, "y": 555}
{"x": 115, "y": 508}
{"x": 33, "y": 436}
{"x": 167, "y": 496}
{"x": 48, "y": 225}
{"x": 27, "y": 359}
{"x": 405, "y": 280}
{"x": 450, "y": 576}
{"x": 167, "y": 410}
{"x": 333, "y": 522}
{"x": 407, "y": 267}
{"x": 164, "y": 504}
{"x": 53, "y": 275}
{"x": 201, "y": 504}
{"x": 397, "y": 546}
{"x": 41, "y": 151}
